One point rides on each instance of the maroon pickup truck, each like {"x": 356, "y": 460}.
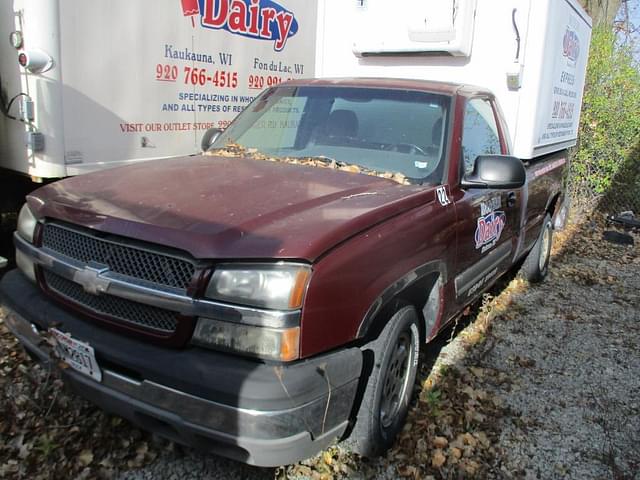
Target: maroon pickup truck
{"x": 273, "y": 295}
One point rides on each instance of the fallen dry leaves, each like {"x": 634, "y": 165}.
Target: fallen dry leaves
{"x": 235, "y": 150}
{"x": 46, "y": 431}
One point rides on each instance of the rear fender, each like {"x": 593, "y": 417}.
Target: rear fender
{"x": 558, "y": 208}
{"x": 552, "y": 202}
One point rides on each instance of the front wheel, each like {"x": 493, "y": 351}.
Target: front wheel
{"x": 386, "y": 398}
{"x": 536, "y": 265}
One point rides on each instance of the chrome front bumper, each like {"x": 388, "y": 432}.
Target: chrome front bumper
{"x": 261, "y": 437}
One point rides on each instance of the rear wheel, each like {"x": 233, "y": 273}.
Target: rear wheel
{"x": 386, "y": 398}
{"x": 536, "y": 265}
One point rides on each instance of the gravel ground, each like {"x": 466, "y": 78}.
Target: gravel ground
{"x": 573, "y": 358}
{"x": 192, "y": 465}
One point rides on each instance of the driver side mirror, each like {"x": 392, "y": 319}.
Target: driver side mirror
{"x": 496, "y": 171}
{"x": 209, "y": 137}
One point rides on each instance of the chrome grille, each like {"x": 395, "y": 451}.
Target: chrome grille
{"x": 121, "y": 309}
{"x": 121, "y": 258}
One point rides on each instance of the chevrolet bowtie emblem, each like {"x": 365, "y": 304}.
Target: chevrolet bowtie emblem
{"x": 91, "y": 280}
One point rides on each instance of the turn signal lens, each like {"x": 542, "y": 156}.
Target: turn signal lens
{"x": 299, "y": 288}
{"x": 281, "y": 344}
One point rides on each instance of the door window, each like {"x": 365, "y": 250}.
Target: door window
{"x": 480, "y": 134}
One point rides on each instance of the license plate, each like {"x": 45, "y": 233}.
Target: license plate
{"x": 79, "y": 355}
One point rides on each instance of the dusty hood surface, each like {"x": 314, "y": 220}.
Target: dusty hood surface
{"x": 216, "y": 207}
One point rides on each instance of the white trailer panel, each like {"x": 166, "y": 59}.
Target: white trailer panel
{"x": 138, "y": 80}
{"x": 537, "y": 80}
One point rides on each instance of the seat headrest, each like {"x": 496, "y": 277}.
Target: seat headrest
{"x": 436, "y": 132}
{"x": 342, "y": 123}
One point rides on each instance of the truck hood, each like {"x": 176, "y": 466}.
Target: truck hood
{"x": 223, "y": 208}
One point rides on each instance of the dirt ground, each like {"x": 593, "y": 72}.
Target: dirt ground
{"x": 539, "y": 381}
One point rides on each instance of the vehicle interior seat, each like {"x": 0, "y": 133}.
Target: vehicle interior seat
{"x": 436, "y": 139}
{"x": 342, "y": 123}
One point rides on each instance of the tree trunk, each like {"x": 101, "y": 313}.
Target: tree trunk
{"x": 602, "y": 11}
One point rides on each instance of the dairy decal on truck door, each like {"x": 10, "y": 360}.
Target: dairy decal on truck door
{"x": 490, "y": 224}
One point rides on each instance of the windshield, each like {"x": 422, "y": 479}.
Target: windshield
{"x": 381, "y": 130}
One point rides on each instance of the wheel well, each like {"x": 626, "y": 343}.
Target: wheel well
{"x": 551, "y": 207}
{"x": 423, "y": 294}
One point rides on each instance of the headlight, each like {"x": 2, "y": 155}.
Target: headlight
{"x": 278, "y": 286}
{"x": 269, "y": 343}
{"x": 26, "y": 223}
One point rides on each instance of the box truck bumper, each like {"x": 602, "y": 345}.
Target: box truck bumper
{"x": 268, "y": 415}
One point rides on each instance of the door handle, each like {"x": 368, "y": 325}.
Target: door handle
{"x": 511, "y": 199}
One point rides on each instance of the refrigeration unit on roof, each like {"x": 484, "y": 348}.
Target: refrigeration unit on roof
{"x": 415, "y": 27}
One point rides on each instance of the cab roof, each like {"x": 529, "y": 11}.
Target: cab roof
{"x": 394, "y": 83}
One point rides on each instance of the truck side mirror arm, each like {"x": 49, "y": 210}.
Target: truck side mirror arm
{"x": 471, "y": 181}
{"x": 209, "y": 137}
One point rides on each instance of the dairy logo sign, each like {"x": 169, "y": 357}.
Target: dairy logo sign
{"x": 490, "y": 224}
{"x": 571, "y": 45}
{"x": 489, "y": 230}
{"x": 258, "y": 19}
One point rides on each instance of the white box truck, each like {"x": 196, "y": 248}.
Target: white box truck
{"x": 97, "y": 84}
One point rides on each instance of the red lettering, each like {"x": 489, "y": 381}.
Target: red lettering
{"x": 238, "y": 17}
{"x": 268, "y": 14}
{"x": 267, "y": 22}
{"x": 131, "y": 127}
{"x": 254, "y": 15}
{"x": 285, "y": 22}
{"x": 212, "y": 18}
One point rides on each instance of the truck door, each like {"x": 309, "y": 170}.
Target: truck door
{"x": 488, "y": 219}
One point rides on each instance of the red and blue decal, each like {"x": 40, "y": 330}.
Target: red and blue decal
{"x": 571, "y": 45}
{"x": 259, "y": 19}
{"x": 489, "y": 229}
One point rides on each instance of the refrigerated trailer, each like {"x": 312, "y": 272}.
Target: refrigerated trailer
{"x": 532, "y": 54}
{"x": 87, "y": 85}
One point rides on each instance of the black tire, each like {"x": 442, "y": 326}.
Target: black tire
{"x": 386, "y": 397}
{"x": 536, "y": 265}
